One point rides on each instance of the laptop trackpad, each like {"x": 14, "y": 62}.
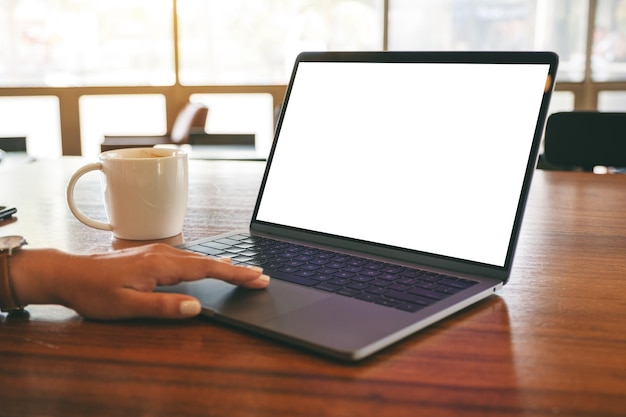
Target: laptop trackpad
{"x": 254, "y": 306}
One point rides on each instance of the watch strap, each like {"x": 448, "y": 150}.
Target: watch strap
{"x": 8, "y": 301}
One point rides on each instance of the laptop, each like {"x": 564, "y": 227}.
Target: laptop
{"x": 392, "y": 198}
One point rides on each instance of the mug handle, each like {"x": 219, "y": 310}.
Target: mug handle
{"x": 70, "y": 197}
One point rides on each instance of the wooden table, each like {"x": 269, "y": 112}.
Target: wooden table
{"x": 552, "y": 342}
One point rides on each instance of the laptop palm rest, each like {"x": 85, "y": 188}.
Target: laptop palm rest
{"x": 254, "y": 306}
{"x": 339, "y": 326}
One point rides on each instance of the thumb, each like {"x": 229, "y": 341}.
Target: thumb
{"x": 158, "y": 305}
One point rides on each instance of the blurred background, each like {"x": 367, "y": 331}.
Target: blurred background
{"x": 72, "y": 71}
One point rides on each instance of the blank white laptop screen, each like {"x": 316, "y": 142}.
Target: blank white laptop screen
{"x": 429, "y": 157}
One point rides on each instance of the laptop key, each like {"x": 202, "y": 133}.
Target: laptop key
{"x": 399, "y": 287}
{"x": 386, "y": 302}
{"x": 410, "y": 307}
{"x": 361, "y": 278}
{"x": 326, "y": 286}
{"x": 458, "y": 283}
{"x": 349, "y": 292}
{"x": 427, "y": 293}
{"x": 272, "y": 265}
{"x": 388, "y": 276}
{"x": 227, "y": 241}
{"x": 358, "y": 286}
{"x": 376, "y": 290}
{"x": 206, "y": 250}
{"x": 323, "y": 277}
{"x": 370, "y": 273}
{"x": 288, "y": 269}
{"x": 411, "y": 298}
{"x": 241, "y": 259}
{"x": 368, "y": 297}
{"x": 448, "y": 290}
{"x": 381, "y": 283}
{"x": 215, "y": 245}
{"x": 235, "y": 250}
{"x": 295, "y": 279}
{"x": 340, "y": 281}
{"x": 305, "y": 273}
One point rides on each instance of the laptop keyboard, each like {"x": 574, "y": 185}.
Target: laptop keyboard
{"x": 400, "y": 287}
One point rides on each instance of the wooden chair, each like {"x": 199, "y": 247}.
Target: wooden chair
{"x": 192, "y": 117}
{"x": 582, "y": 140}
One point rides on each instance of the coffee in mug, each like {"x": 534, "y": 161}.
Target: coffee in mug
{"x": 144, "y": 192}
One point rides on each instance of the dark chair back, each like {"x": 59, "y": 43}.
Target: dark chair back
{"x": 581, "y": 140}
{"x": 13, "y": 144}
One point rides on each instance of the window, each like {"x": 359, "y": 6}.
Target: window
{"x": 609, "y": 42}
{"x": 557, "y": 25}
{"x": 254, "y": 42}
{"x": 113, "y": 114}
{"x": 241, "y": 113}
{"x": 612, "y": 101}
{"x": 59, "y": 43}
{"x": 37, "y": 119}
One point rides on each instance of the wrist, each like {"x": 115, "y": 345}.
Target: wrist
{"x": 9, "y": 247}
{"x": 32, "y": 272}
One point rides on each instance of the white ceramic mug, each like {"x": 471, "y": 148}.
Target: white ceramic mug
{"x": 144, "y": 190}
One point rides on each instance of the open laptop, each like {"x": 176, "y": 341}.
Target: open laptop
{"x": 402, "y": 177}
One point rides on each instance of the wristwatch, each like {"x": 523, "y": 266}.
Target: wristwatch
{"x": 8, "y": 301}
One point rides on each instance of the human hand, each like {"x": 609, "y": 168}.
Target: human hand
{"x": 120, "y": 284}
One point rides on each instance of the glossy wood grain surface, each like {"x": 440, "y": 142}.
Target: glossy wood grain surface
{"x": 551, "y": 342}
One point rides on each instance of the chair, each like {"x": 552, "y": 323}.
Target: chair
{"x": 14, "y": 149}
{"x": 13, "y": 144}
{"x": 192, "y": 117}
{"x": 582, "y": 140}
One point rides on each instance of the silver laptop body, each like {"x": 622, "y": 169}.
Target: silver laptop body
{"x": 407, "y": 160}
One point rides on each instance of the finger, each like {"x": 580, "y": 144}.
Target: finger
{"x": 247, "y": 276}
{"x": 191, "y": 268}
{"x": 155, "y": 305}
{"x": 262, "y": 281}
